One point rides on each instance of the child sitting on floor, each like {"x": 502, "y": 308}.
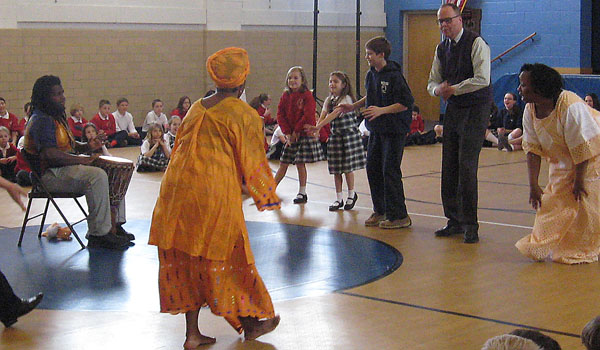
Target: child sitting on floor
{"x": 76, "y": 121}
{"x": 155, "y": 151}
{"x": 89, "y": 132}
{"x": 174, "y": 124}
{"x": 8, "y": 155}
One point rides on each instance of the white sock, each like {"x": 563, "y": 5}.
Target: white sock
{"x": 339, "y": 196}
{"x": 350, "y": 193}
{"x": 302, "y": 190}
{"x": 510, "y": 137}
{"x": 493, "y": 139}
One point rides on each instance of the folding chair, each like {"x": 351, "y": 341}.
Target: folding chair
{"x": 39, "y": 190}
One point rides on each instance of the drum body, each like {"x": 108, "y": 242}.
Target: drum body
{"x": 119, "y": 171}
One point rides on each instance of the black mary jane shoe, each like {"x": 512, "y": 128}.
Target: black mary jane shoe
{"x": 300, "y": 198}
{"x": 336, "y": 205}
{"x": 350, "y": 202}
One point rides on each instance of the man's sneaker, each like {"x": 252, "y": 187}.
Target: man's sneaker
{"x": 108, "y": 241}
{"x": 374, "y": 220}
{"x": 399, "y": 223}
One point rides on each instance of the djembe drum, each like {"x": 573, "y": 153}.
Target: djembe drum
{"x": 119, "y": 171}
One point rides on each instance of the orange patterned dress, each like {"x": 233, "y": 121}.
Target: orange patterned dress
{"x": 198, "y": 223}
{"x": 565, "y": 229}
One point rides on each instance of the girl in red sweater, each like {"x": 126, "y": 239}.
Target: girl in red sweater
{"x": 296, "y": 108}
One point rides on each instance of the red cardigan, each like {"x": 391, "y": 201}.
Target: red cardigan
{"x": 12, "y": 123}
{"x": 268, "y": 120}
{"x": 417, "y": 125}
{"x": 76, "y": 127}
{"x": 294, "y": 110}
{"x": 109, "y": 126}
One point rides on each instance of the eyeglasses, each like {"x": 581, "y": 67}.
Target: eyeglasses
{"x": 446, "y": 20}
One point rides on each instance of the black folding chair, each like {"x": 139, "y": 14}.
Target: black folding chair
{"x": 39, "y": 190}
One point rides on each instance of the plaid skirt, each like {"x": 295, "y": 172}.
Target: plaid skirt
{"x": 231, "y": 289}
{"x": 305, "y": 150}
{"x": 345, "y": 152}
{"x": 145, "y": 164}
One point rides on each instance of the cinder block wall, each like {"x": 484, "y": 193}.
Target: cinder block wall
{"x": 143, "y": 65}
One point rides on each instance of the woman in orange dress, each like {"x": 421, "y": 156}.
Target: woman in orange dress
{"x": 560, "y": 127}
{"x": 198, "y": 223}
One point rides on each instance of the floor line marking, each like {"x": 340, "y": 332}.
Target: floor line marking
{"x": 444, "y": 218}
{"x": 454, "y": 313}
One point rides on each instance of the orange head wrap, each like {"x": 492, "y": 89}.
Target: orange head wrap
{"x": 229, "y": 67}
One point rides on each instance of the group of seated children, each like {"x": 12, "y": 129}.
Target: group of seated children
{"x": 505, "y": 127}
{"x": 13, "y": 167}
{"x": 157, "y": 135}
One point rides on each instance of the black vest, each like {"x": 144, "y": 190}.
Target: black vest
{"x": 457, "y": 66}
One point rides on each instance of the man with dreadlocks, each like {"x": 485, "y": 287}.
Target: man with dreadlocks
{"x": 50, "y": 148}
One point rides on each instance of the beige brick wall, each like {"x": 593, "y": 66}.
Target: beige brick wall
{"x": 144, "y": 65}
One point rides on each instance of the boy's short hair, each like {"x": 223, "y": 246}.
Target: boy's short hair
{"x": 121, "y": 100}
{"x": 173, "y": 118}
{"x": 75, "y": 107}
{"x": 416, "y": 109}
{"x": 590, "y": 335}
{"x": 2, "y": 99}
{"x": 380, "y": 44}
{"x": 543, "y": 341}
{"x": 103, "y": 102}
{"x": 156, "y": 101}
{"x": 5, "y": 129}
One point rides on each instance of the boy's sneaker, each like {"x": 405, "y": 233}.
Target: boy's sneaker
{"x": 399, "y": 223}
{"x": 374, "y": 220}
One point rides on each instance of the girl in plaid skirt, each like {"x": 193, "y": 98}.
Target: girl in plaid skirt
{"x": 297, "y": 108}
{"x": 155, "y": 151}
{"x": 345, "y": 152}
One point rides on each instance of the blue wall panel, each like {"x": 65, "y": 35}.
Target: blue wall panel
{"x": 563, "y": 27}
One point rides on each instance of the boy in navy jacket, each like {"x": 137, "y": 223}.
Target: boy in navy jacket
{"x": 388, "y": 112}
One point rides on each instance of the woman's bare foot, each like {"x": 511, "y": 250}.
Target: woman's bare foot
{"x": 194, "y": 341}
{"x": 255, "y": 328}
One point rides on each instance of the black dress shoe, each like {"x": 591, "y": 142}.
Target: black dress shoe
{"x": 300, "y": 198}
{"x": 449, "y": 231}
{"x": 121, "y": 232}
{"x": 351, "y": 202}
{"x": 108, "y": 241}
{"x": 336, "y": 205}
{"x": 23, "y": 308}
{"x": 471, "y": 237}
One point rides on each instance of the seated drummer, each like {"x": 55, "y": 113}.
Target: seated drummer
{"x": 51, "y": 149}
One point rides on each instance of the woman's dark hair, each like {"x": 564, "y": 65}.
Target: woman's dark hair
{"x": 180, "y": 103}
{"x": 40, "y": 96}
{"x": 546, "y": 81}
{"x": 594, "y": 100}
{"x": 258, "y": 100}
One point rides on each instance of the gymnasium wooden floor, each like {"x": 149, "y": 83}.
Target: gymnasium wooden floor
{"x": 445, "y": 295}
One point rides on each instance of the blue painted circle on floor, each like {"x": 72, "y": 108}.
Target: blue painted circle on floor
{"x": 294, "y": 261}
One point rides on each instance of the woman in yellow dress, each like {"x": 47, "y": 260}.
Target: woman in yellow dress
{"x": 559, "y": 126}
{"x": 198, "y": 223}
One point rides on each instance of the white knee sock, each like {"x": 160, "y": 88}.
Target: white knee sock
{"x": 493, "y": 139}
